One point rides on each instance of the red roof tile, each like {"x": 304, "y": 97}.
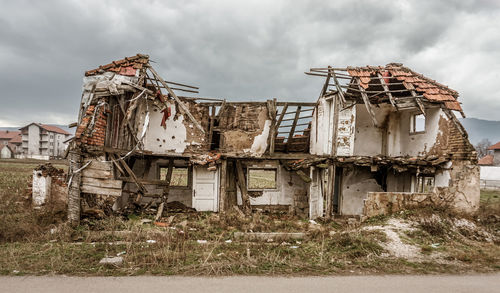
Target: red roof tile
{"x": 53, "y": 128}
{"x": 496, "y": 146}
{"x": 486, "y": 160}
{"x": 126, "y": 66}
{"x": 7, "y": 134}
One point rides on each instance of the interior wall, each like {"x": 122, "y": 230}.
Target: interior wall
{"x": 356, "y": 182}
{"x": 399, "y": 182}
{"x": 289, "y": 184}
{"x": 368, "y": 140}
{"x": 403, "y": 143}
{"x": 180, "y": 194}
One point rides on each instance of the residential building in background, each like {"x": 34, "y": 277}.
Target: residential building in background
{"x": 490, "y": 168}
{"x": 41, "y": 141}
{"x": 12, "y": 139}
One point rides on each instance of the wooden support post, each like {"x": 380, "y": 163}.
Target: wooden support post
{"x": 222, "y": 189}
{"x": 386, "y": 89}
{"x": 131, "y": 174}
{"x": 166, "y": 190}
{"x": 74, "y": 189}
{"x": 211, "y": 128}
{"x": 271, "y": 108}
{"x": 243, "y": 188}
{"x": 414, "y": 95}
{"x": 130, "y": 128}
{"x": 337, "y": 84}
{"x": 330, "y": 189}
{"x": 290, "y": 135}
{"x": 183, "y": 107}
{"x": 368, "y": 105}
{"x": 336, "y": 111}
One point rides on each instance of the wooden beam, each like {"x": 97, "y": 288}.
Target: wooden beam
{"x": 166, "y": 190}
{"x": 417, "y": 98}
{"x": 303, "y": 176}
{"x": 183, "y": 107}
{"x": 131, "y": 174}
{"x": 243, "y": 188}
{"x": 222, "y": 188}
{"x": 337, "y": 84}
{"x": 368, "y": 105}
{"x": 211, "y": 128}
{"x": 290, "y": 136}
{"x": 386, "y": 88}
{"x": 271, "y": 108}
{"x": 129, "y": 126}
{"x": 74, "y": 189}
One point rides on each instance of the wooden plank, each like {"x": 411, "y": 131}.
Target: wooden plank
{"x": 129, "y": 126}
{"x": 271, "y": 105}
{"x": 222, "y": 188}
{"x": 243, "y": 188}
{"x": 337, "y": 84}
{"x": 166, "y": 190}
{"x": 386, "y": 88}
{"x": 211, "y": 128}
{"x": 414, "y": 95}
{"x": 183, "y": 107}
{"x": 98, "y": 165}
{"x": 105, "y": 183}
{"x": 74, "y": 189}
{"x": 100, "y": 190}
{"x": 368, "y": 105}
{"x": 132, "y": 175}
{"x": 96, "y": 173}
{"x": 290, "y": 135}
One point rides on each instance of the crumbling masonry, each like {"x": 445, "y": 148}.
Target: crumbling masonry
{"x": 378, "y": 139}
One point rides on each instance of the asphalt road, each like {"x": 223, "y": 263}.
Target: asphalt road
{"x": 427, "y": 284}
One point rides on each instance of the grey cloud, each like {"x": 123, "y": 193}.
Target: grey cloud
{"x": 236, "y": 50}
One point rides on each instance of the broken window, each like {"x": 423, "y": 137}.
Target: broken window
{"x": 417, "y": 123}
{"x": 259, "y": 179}
{"x": 425, "y": 184}
{"x": 180, "y": 176}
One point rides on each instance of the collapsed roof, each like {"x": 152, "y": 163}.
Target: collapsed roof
{"x": 393, "y": 83}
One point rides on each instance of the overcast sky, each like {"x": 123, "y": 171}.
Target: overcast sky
{"x": 242, "y": 50}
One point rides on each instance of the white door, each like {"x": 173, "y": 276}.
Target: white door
{"x": 205, "y": 189}
{"x": 315, "y": 194}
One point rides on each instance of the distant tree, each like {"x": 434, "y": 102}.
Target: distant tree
{"x": 482, "y": 147}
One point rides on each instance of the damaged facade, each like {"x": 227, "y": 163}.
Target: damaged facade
{"x": 375, "y": 139}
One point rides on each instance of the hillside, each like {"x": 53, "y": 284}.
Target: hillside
{"x": 479, "y": 129}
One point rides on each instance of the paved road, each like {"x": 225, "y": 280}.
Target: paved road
{"x": 372, "y": 284}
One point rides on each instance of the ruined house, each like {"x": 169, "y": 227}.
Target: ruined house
{"x": 378, "y": 139}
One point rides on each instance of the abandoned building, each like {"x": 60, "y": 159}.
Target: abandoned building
{"x": 377, "y": 139}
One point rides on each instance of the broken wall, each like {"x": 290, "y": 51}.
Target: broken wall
{"x": 356, "y": 183}
{"x": 244, "y": 128}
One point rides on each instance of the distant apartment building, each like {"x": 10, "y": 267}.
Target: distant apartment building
{"x": 41, "y": 141}
{"x": 10, "y": 144}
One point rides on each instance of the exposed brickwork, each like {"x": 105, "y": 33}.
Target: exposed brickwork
{"x": 86, "y": 134}
{"x": 126, "y": 66}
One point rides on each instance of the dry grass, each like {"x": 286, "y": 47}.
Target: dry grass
{"x": 36, "y": 242}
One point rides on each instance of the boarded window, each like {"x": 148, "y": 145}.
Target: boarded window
{"x": 259, "y": 179}
{"x": 180, "y": 176}
{"x": 425, "y": 184}
{"x": 417, "y": 123}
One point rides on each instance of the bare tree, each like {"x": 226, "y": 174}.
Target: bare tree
{"x": 482, "y": 147}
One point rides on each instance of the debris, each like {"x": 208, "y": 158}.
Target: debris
{"x": 161, "y": 224}
{"x": 114, "y": 261}
{"x": 146, "y": 221}
{"x": 121, "y": 253}
{"x": 202, "y": 241}
{"x": 150, "y": 241}
{"x": 229, "y": 241}
{"x": 435, "y": 245}
{"x": 294, "y": 247}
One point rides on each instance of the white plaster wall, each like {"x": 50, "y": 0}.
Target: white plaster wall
{"x": 443, "y": 176}
{"x": 160, "y": 140}
{"x": 346, "y": 131}
{"x": 490, "y": 172}
{"x": 41, "y": 188}
{"x": 401, "y": 142}
{"x": 321, "y": 128}
{"x": 368, "y": 138}
{"x": 5, "y": 153}
{"x": 288, "y": 184}
{"x": 356, "y": 183}
{"x": 259, "y": 144}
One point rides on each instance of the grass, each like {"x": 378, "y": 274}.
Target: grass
{"x": 39, "y": 242}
